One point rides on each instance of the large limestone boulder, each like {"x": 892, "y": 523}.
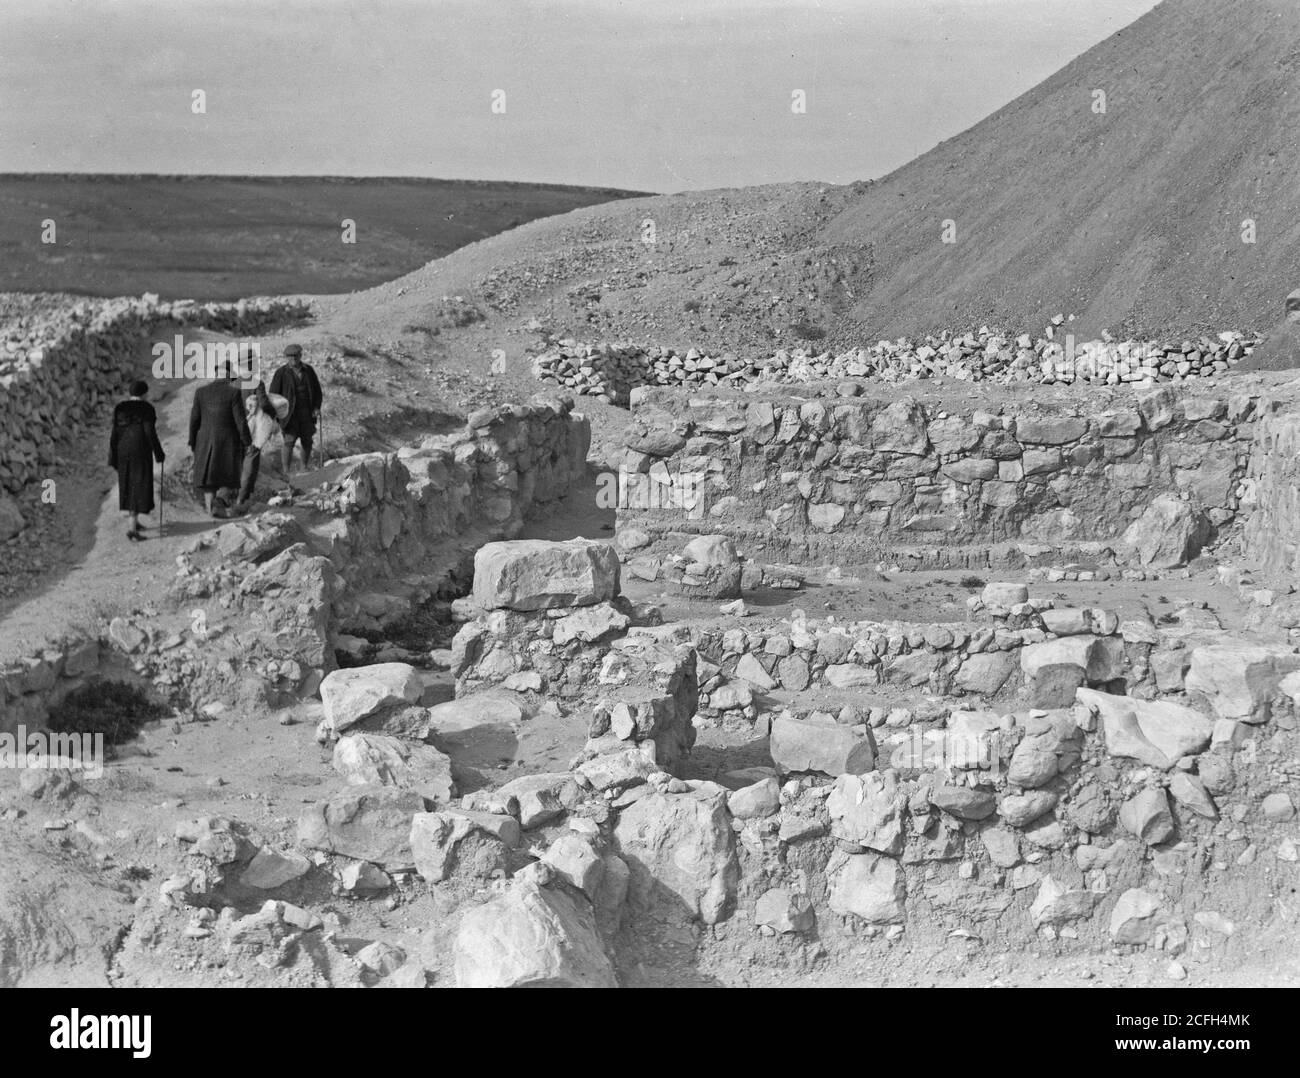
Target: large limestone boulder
{"x": 867, "y": 810}
{"x": 540, "y": 798}
{"x": 680, "y": 847}
{"x": 1136, "y": 916}
{"x": 532, "y": 937}
{"x": 380, "y": 760}
{"x": 473, "y": 842}
{"x": 1003, "y": 595}
{"x": 963, "y": 802}
{"x": 872, "y": 887}
{"x": 477, "y": 730}
{"x": 1170, "y": 533}
{"x": 1238, "y": 680}
{"x": 533, "y": 574}
{"x": 828, "y": 747}
{"x": 711, "y": 550}
{"x": 359, "y": 692}
{"x": 369, "y": 823}
{"x": 287, "y": 603}
{"x": 1054, "y": 669}
{"x": 589, "y": 624}
{"x": 1058, "y": 904}
{"x": 1050, "y": 746}
{"x": 1156, "y": 732}
{"x": 985, "y": 673}
{"x": 1146, "y": 814}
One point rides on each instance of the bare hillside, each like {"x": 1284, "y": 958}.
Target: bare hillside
{"x": 1130, "y": 219}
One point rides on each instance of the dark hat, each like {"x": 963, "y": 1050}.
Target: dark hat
{"x": 293, "y": 349}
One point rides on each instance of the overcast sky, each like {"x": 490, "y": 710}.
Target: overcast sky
{"x": 657, "y": 95}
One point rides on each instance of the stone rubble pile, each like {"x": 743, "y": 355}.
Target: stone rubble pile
{"x": 58, "y": 369}
{"x": 611, "y": 370}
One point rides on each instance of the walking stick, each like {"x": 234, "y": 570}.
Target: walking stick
{"x": 162, "y": 494}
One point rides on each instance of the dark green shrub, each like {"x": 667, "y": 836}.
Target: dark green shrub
{"x": 116, "y": 709}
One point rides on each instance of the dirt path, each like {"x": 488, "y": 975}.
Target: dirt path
{"x": 91, "y": 569}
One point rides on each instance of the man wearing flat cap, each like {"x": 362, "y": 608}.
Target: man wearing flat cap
{"x": 296, "y": 381}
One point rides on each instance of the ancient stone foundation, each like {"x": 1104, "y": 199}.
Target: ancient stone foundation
{"x": 937, "y": 480}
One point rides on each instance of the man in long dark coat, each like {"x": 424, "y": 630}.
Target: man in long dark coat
{"x": 296, "y": 381}
{"x": 218, "y": 436}
{"x": 133, "y": 446}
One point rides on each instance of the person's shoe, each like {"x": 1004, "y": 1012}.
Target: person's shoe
{"x": 134, "y": 535}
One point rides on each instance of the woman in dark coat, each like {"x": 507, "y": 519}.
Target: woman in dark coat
{"x": 132, "y": 448}
{"x": 218, "y": 436}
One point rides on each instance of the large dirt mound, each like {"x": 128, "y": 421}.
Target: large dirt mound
{"x": 1130, "y": 219}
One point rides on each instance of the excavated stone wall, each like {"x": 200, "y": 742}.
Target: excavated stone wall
{"x": 935, "y": 479}
{"x": 1272, "y": 532}
{"x": 277, "y": 587}
{"x": 430, "y": 506}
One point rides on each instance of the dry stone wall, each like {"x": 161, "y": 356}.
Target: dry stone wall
{"x": 1048, "y": 653}
{"x": 430, "y": 506}
{"x": 611, "y": 370}
{"x": 936, "y": 479}
{"x": 56, "y": 371}
{"x": 284, "y": 582}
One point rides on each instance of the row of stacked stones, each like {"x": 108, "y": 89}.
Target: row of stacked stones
{"x": 798, "y": 478}
{"x": 611, "y": 370}
{"x": 739, "y": 667}
{"x": 57, "y": 369}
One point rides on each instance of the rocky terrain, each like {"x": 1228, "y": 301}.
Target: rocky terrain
{"x": 930, "y": 661}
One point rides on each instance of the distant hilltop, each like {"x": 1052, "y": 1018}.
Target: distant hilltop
{"x": 223, "y": 237}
